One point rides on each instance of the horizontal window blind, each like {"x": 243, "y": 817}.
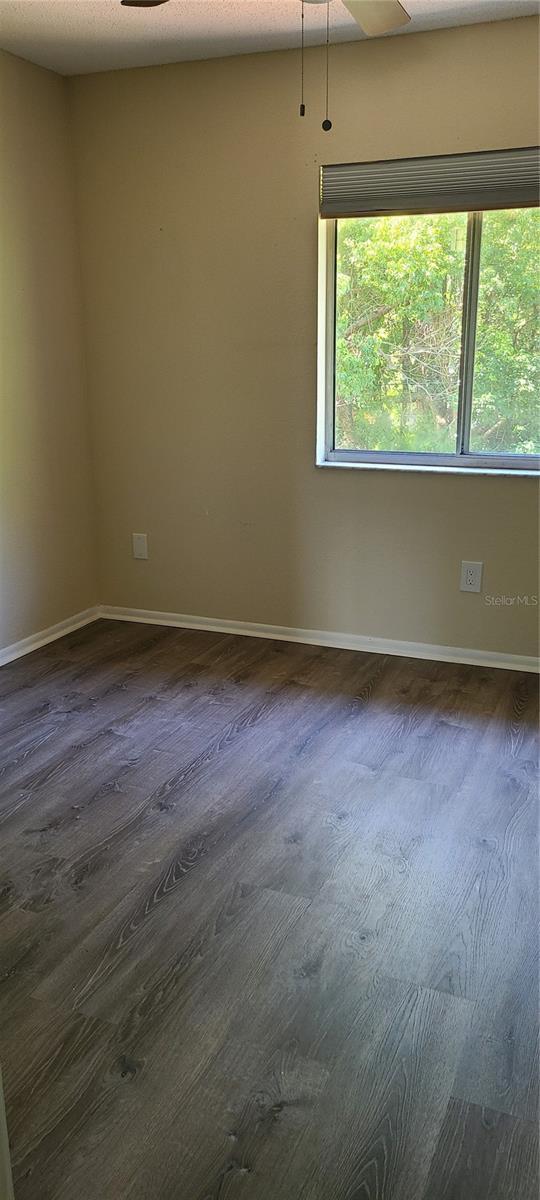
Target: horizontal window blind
{"x": 453, "y": 183}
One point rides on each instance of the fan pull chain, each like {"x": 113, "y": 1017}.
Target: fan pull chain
{"x": 327, "y": 124}
{"x": 302, "y": 105}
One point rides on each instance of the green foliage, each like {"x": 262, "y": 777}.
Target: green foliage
{"x": 398, "y": 332}
{"x": 506, "y": 393}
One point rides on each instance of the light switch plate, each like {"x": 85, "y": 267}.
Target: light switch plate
{"x": 139, "y": 542}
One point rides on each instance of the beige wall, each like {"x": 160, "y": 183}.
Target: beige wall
{"x": 197, "y": 187}
{"x": 47, "y": 567}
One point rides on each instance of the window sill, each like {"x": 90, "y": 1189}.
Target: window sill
{"x": 431, "y": 469}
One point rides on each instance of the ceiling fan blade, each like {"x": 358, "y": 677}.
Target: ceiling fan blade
{"x": 142, "y": 3}
{"x": 378, "y": 16}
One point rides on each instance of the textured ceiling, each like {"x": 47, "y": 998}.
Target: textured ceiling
{"x": 78, "y": 36}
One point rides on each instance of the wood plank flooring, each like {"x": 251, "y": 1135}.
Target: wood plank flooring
{"x": 268, "y": 922}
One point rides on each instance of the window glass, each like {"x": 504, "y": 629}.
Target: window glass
{"x": 506, "y": 384}
{"x": 399, "y": 295}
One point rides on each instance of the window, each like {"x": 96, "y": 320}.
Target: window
{"x": 429, "y": 320}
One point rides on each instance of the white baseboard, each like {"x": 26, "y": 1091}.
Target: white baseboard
{"x": 321, "y": 637}
{"x": 283, "y": 633}
{"x": 27, "y": 644}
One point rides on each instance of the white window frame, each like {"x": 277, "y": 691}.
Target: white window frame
{"x": 461, "y": 461}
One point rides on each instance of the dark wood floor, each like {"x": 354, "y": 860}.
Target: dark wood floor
{"x": 268, "y": 922}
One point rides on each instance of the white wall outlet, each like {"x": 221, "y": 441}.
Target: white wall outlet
{"x": 139, "y": 542}
{"x": 471, "y": 576}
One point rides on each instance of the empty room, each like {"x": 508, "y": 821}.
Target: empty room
{"x": 269, "y": 579}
